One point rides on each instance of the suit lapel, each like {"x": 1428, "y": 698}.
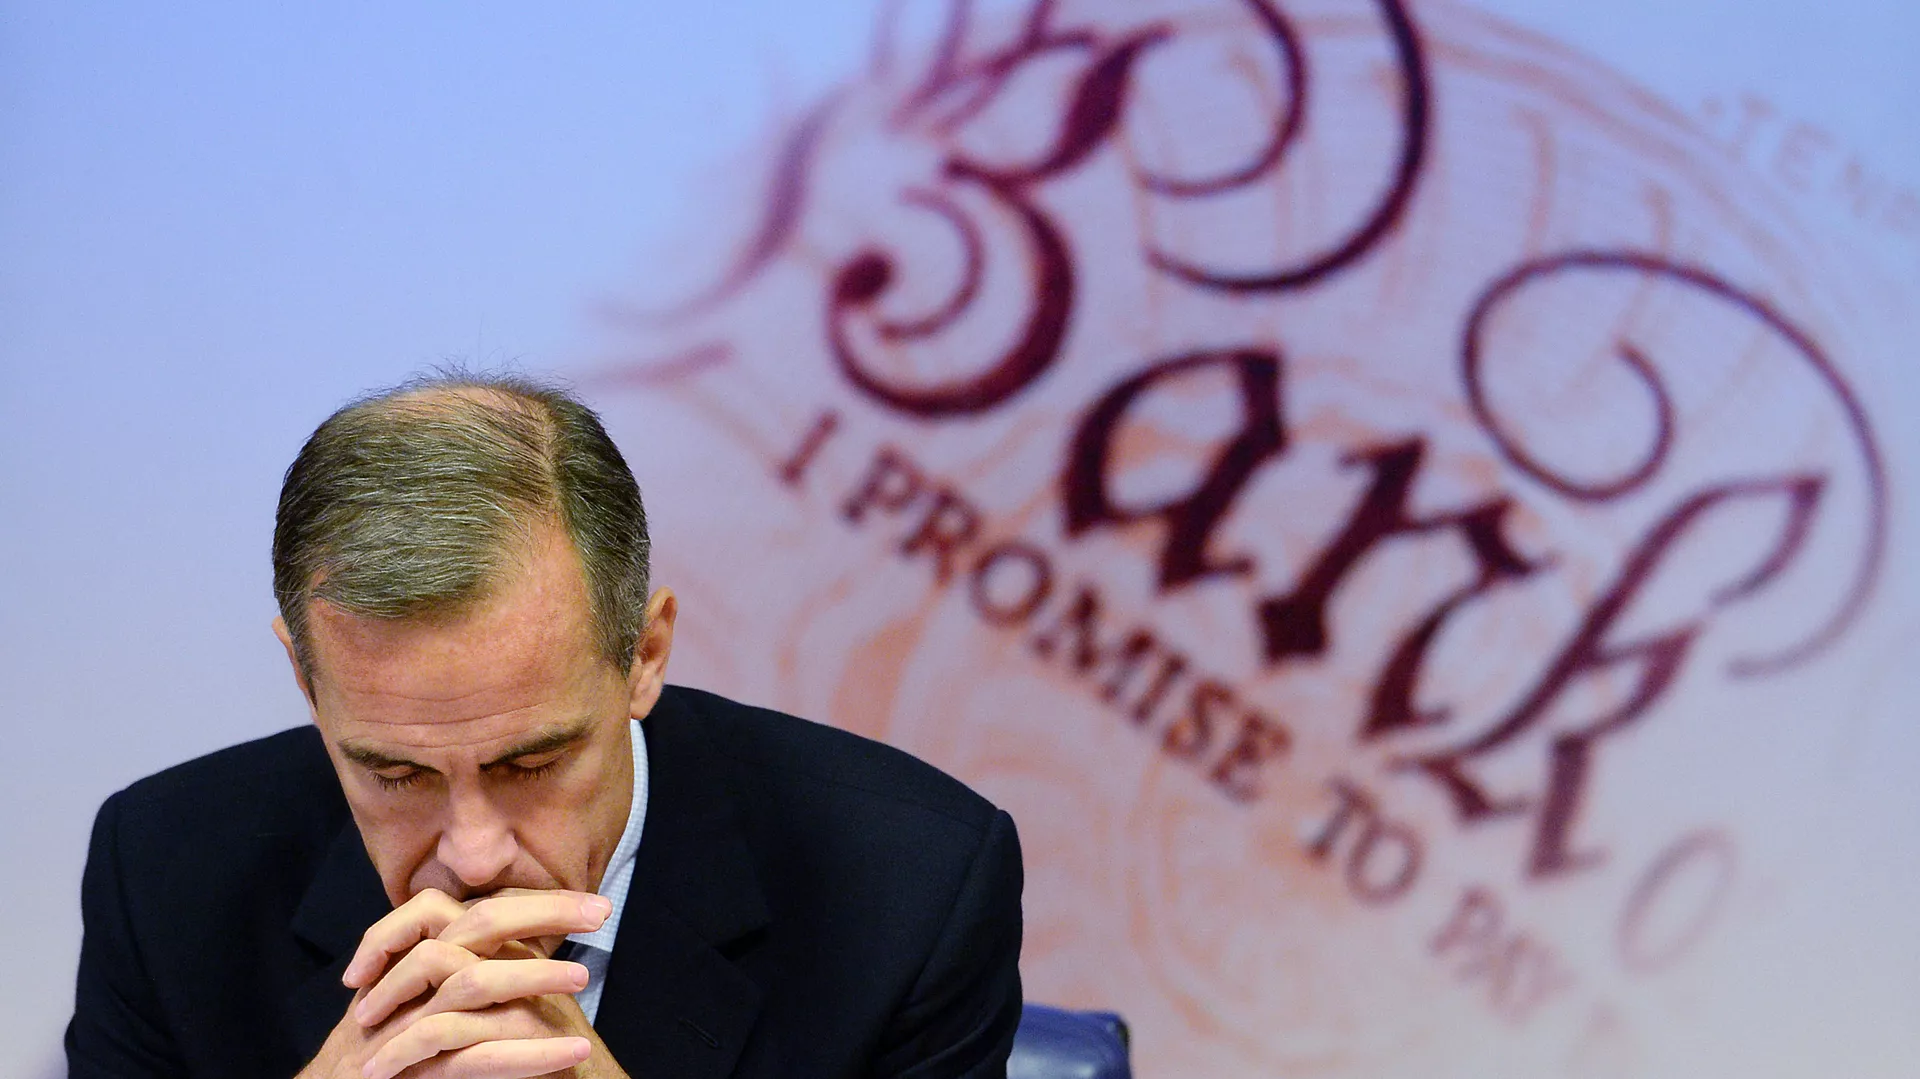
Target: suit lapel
{"x": 344, "y": 899}
{"x": 674, "y": 1004}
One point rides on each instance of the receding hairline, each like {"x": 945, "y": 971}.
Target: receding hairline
{"x": 435, "y": 397}
{"x": 556, "y": 467}
{"x": 454, "y": 400}
{"x": 431, "y": 397}
{"x": 542, "y": 533}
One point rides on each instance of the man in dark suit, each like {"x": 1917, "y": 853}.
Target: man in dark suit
{"x": 480, "y": 862}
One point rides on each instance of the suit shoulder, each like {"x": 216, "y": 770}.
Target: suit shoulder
{"x": 775, "y": 743}
{"x": 280, "y": 782}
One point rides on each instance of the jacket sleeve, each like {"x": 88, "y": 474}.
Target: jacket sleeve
{"x": 117, "y": 1031}
{"x": 960, "y": 1018}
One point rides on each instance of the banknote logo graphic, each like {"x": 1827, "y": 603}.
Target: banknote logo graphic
{"x": 1364, "y": 427}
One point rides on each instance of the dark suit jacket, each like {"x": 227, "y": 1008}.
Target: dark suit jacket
{"x": 805, "y": 902}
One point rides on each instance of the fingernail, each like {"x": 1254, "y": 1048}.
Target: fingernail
{"x": 579, "y": 976}
{"x": 597, "y": 907}
{"x": 581, "y": 1049}
{"x": 368, "y": 1069}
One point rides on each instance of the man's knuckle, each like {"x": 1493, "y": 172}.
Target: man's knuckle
{"x": 482, "y": 1061}
{"x": 468, "y": 984}
{"x": 438, "y": 1032}
{"x": 482, "y": 918}
{"x": 443, "y": 957}
{"x": 409, "y": 914}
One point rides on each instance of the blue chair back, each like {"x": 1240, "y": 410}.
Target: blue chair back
{"x": 1054, "y": 1043}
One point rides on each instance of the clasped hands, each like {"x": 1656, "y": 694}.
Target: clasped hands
{"x": 453, "y": 990}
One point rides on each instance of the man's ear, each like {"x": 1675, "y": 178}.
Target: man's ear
{"x": 299, "y": 676}
{"x": 650, "y": 652}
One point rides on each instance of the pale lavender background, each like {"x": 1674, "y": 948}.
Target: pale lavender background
{"x": 218, "y": 220}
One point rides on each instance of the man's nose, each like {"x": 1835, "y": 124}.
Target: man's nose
{"x": 478, "y": 843}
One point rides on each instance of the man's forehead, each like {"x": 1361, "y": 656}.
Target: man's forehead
{"x": 519, "y": 664}
{"x": 539, "y": 603}
{"x": 441, "y": 660}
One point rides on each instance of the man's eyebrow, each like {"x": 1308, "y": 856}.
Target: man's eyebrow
{"x": 545, "y": 742}
{"x": 373, "y": 758}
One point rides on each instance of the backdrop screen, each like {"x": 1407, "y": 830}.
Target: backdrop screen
{"x": 1405, "y": 501}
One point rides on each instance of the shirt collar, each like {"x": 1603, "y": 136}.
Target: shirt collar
{"x": 618, "y": 878}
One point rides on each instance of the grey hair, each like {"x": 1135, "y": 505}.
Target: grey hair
{"x": 416, "y": 501}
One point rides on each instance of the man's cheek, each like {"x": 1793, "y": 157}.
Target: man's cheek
{"x": 401, "y": 849}
{"x": 553, "y": 848}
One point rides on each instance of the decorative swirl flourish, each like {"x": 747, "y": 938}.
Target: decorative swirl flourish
{"x": 953, "y": 93}
{"x": 786, "y": 199}
{"x": 1527, "y": 460}
{"x": 1099, "y": 101}
{"x": 864, "y": 278}
{"x": 973, "y": 258}
{"x": 1293, "y": 63}
{"x": 1386, "y": 213}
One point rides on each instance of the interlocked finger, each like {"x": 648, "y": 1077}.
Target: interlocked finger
{"x": 496, "y": 981}
{"x": 487, "y": 925}
{"x": 419, "y": 918}
{"x": 522, "y": 1059}
{"x": 430, "y": 963}
{"x": 444, "y": 1033}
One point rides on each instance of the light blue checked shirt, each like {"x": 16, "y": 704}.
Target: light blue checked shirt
{"x": 595, "y": 950}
